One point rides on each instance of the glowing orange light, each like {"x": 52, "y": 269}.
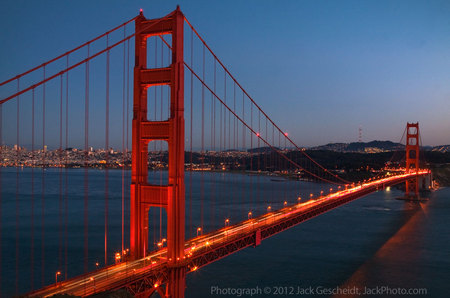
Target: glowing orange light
{"x": 195, "y": 268}
{"x": 285, "y": 203}
{"x": 156, "y": 285}
{"x": 91, "y": 279}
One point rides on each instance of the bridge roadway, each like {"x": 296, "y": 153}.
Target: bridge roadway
{"x": 147, "y": 274}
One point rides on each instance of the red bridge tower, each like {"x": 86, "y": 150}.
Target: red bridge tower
{"x": 412, "y": 158}
{"x": 171, "y": 196}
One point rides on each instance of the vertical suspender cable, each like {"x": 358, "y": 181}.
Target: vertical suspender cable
{"x": 32, "y": 193}
{"x": 128, "y": 109}
{"x": 128, "y": 95}
{"x": 211, "y": 163}
{"x": 86, "y": 175}
{"x": 224, "y": 213}
{"x": 251, "y": 155}
{"x": 243, "y": 146}
{"x": 124, "y": 157}
{"x": 43, "y": 188}
{"x": 60, "y": 227}
{"x": 65, "y": 171}
{"x": 106, "y": 152}
{"x": 190, "y": 138}
{"x": 17, "y": 186}
{"x": 258, "y": 177}
{"x": 236, "y": 124}
{"x": 225, "y": 112}
{"x": 214, "y": 146}
{"x": 202, "y": 181}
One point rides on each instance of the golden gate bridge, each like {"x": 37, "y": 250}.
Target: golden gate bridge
{"x": 176, "y": 75}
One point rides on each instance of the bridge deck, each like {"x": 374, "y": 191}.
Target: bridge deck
{"x": 148, "y": 273}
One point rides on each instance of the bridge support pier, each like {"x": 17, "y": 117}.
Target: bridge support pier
{"x": 177, "y": 284}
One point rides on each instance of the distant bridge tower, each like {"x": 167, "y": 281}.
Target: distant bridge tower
{"x": 171, "y": 196}
{"x": 412, "y": 158}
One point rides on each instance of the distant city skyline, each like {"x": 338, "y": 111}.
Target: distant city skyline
{"x": 320, "y": 69}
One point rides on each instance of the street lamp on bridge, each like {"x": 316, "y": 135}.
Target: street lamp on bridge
{"x": 58, "y": 273}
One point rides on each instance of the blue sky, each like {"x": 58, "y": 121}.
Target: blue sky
{"x": 320, "y": 69}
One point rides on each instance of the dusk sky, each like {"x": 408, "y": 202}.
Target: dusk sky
{"x": 320, "y": 69}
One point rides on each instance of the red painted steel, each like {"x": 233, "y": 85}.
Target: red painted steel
{"x": 167, "y": 274}
{"x": 143, "y": 195}
{"x": 412, "y": 158}
{"x": 146, "y": 275}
